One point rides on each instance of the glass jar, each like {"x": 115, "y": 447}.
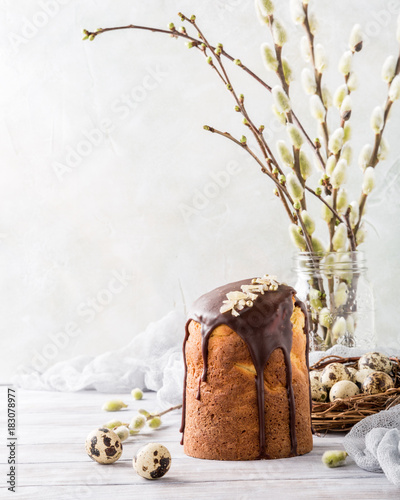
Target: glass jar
{"x": 339, "y": 299}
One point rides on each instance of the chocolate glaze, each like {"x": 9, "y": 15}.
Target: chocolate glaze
{"x": 303, "y": 308}
{"x": 264, "y": 327}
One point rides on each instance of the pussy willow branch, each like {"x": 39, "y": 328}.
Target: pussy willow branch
{"x": 375, "y": 153}
{"x": 331, "y": 224}
{"x": 350, "y": 234}
{"x": 278, "y": 55}
{"x": 251, "y": 152}
{"x": 160, "y": 414}
{"x": 266, "y": 151}
{"x": 344, "y": 119}
{"x": 318, "y": 76}
{"x": 271, "y": 176}
{"x": 289, "y": 115}
{"x": 281, "y": 72}
{"x": 334, "y": 212}
{"x": 217, "y": 70}
{"x": 299, "y": 219}
{"x": 262, "y": 166}
{"x": 195, "y": 41}
{"x": 345, "y": 219}
{"x": 177, "y": 34}
{"x": 313, "y": 145}
{"x": 239, "y": 101}
{"x": 318, "y": 79}
{"x": 240, "y": 106}
{"x": 373, "y": 163}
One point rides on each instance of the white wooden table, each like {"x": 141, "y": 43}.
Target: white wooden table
{"x": 52, "y": 463}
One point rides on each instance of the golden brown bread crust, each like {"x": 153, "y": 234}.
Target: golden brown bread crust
{"x": 224, "y": 425}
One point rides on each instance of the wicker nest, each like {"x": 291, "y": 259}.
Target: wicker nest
{"x": 342, "y": 414}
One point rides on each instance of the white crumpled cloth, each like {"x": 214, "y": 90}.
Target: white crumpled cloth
{"x": 152, "y": 360}
{"x": 374, "y": 443}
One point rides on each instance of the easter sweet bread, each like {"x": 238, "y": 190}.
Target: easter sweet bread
{"x": 233, "y": 334}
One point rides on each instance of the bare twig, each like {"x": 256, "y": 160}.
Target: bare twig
{"x": 177, "y": 407}
{"x": 332, "y": 224}
{"x": 282, "y": 190}
{"x": 334, "y": 212}
{"x": 350, "y": 233}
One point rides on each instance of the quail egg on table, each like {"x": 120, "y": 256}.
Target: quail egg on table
{"x": 376, "y": 361}
{"x": 343, "y": 389}
{"x": 152, "y": 461}
{"x": 103, "y": 446}
{"x": 318, "y": 391}
{"x": 334, "y": 372}
{"x": 377, "y": 382}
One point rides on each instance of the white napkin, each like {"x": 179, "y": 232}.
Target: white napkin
{"x": 152, "y": 360}
{"x": 374, "y": 443}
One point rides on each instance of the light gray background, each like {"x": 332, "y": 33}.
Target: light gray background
{"x": 96, "y": 240}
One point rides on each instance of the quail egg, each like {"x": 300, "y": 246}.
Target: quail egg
{"x": 316, "y": 374}
{"x": 318, "y": 391}
{"x": 333, "y": 373}
{"x": 377, "y": 382}
{"x": 363, "y": 374}
{"x": 353, "y": 373}
{"x": 343, "y": 389}
{"x": 152, "y": 461}
{"x": 376, "y": 361}
{"x": 103, "y": 446}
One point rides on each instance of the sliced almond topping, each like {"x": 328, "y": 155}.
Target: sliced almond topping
{"x": 236, "y": 295}
{"x": 237, "y": 300}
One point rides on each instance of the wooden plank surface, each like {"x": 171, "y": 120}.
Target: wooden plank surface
{"x": 52, "y": 463}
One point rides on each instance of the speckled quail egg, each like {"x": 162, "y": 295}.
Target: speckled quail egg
{"x": 377, "y": 382}
{"x": 363, "y": 374}
{"x": 353, "y": 373}
{"x": 152, "y": 461}
{"x": 343, "y": 389}
{"x": 376, "y": 361}
{"x": 315, "y": 374}
{"x": 318, "y": 391}
{"x": 103, "y": 446}
{"x": 333, "y": 373}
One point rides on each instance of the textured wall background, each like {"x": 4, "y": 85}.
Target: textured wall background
{"x": 102, "y": 153}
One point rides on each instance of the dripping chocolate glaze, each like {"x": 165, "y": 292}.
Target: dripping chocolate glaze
{"x": 264, "y": 327}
